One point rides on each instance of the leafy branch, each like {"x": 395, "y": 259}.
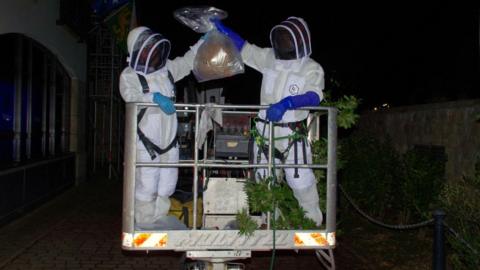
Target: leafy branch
{"x": 263, "y": 196}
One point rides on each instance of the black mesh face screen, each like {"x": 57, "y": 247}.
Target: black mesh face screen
{"x": 283, "y": 44}
{"x": 150, "y": 52}
{"x": 291, "y": 39}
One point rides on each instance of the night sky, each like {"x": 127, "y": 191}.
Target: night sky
{"x": 399, "y": 55}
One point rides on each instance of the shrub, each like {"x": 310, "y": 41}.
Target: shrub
{"x": 371, "y": 173}
{"x": 424, "y": 176}
{"x": 399, "y": 188}
{"x": 461, "y": 201}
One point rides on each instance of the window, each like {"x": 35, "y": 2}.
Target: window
{"x": 35, "y": 94}
{"x": 7, "y": 90}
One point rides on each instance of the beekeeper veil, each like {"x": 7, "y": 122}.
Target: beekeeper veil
{"x": 291, "y": 39}
{"x": 148, "y": 51}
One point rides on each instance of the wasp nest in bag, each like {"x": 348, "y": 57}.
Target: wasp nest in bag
{"x": 217, "y": 58}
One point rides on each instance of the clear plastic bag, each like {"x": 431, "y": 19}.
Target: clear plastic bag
{"x": 217, "y": 57}
{"x": 198, "y": 18}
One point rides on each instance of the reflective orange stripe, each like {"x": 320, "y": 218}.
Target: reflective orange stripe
{"x": 148, "y": 240}
{"x": 319, "y": 239}
{"x": 140, "y": 238}
{"x": 313, "y": 239}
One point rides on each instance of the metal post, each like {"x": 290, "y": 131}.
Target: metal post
{"x": 130, "y": 158}
{"x": 195, "y": 168}
{"x": 439, "y": 241}
{"x": 17, "y": 108}
{"x": 332, "y": 171}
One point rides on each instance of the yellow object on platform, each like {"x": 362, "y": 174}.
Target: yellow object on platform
{"x": 176, "y": 209}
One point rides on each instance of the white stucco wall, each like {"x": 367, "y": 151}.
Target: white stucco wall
{"x": 37, "y": 19}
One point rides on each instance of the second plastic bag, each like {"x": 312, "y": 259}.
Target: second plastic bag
{"x": 217, "y": 58}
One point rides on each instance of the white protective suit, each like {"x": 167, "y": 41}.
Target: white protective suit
{"x": 153, "y": 186}
{"x": 282, "y": 78}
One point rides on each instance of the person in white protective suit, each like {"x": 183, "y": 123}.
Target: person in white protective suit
{"x": 291, "y": 80}
{"x": 150, "y": 77}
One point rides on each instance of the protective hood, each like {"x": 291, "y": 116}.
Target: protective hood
{"x": 291, "y": 39}
{"x": 148, "y": 51}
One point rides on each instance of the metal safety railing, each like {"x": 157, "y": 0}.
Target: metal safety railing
{"x": 130, "y": 162}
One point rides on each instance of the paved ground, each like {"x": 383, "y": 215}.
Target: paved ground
{"x": 81, "y": 228}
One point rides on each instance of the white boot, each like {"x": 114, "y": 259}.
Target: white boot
{"x": 162, "y": 206}
{"x": 308, "y": 200}
{"x": 161, "y": 218}
{"x": 144, "y": 211}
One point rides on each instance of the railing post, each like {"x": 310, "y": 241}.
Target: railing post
{"x": 438, "y": 241}
{"x": 331, "y": 219}
{"x": 129, "y": 167}
{"x": 195, "y": 168}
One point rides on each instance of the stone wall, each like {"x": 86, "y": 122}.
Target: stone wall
{"x": 452, "y": 125}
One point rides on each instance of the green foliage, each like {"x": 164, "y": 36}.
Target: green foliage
{"x": 263, "y": 199}
{"x": 346, "y": 105}
{"x": 320, "y": 151}
{"x": 346, "y": 118}
{"x": 461, "y": 202}
{"x": 424, "y": 172}
{"x": 399, "y": 188}
{"x": 246, "y": 224}
{"x": 320, "y": 154}
{"x": 291, "y": 215}
{"x": 260, "y": 198}
{"x": 371, "y": 174}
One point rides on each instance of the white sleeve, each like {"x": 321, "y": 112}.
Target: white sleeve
{"x": 255, "y": 57}
{"x": 182, "y": 65}
{"x": 315, "y": 81}
{"x": 131, "y": 89}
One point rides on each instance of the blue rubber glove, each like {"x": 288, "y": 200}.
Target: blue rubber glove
{"x": 236, "y": 38}
{"x": 165, "y": 103}
{"x": 276, "y": 111}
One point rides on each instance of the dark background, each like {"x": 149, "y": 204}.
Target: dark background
{"x": 400, "y": 55}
